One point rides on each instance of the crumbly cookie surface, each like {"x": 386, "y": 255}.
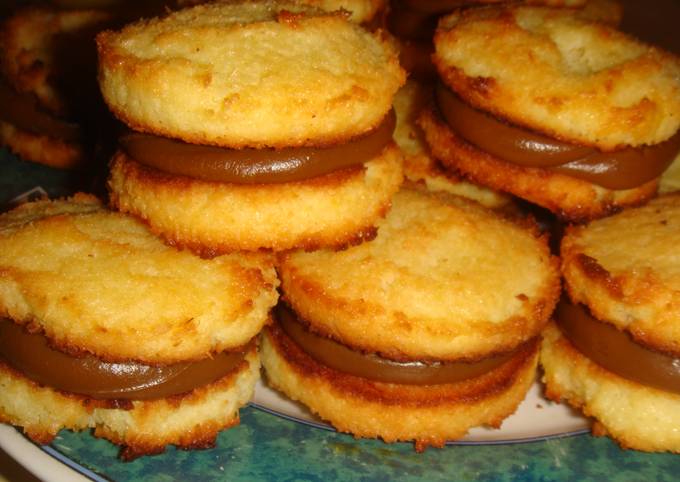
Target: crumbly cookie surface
{"x": 626, "y": 269}
{"x": 554, "y": 72}
{"x": 445, "y": 278}
{"x": 249, "y": 74}
{"x": 93, "y": 280}
{"x": 636, "y": 416}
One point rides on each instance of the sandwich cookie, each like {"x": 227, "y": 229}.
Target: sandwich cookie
{"x": 426, "y": 331}
{"x": 567, "y": 113}
{"x": 614, "y": 352}
{"x": 258, "y": 126}
{"x": 48, "y": 87}
{"x": 420, "y": 168}
{"x": 105, "y": 327}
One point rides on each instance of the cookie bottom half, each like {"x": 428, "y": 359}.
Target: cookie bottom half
{"x": 636, "y": 416}
{"x": 429, "y": 415}
{"x": 189, "y": 421}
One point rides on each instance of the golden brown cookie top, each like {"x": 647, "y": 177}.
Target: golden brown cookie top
{"x": 249, "y": 74}
{"x": 555, "y": 72}
{"x": 626, "y": 270}
{"x": 98, "y": 281}
{"x": 444, "y": 279}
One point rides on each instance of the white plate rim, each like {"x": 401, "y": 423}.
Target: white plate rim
{"x": 43, "y": 461}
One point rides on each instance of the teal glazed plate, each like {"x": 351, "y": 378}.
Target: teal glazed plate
{"x": 279, "y": 440}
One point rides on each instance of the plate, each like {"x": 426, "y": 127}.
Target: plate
{"x": 536, "y": 418}
{"x": 38, "y": 461}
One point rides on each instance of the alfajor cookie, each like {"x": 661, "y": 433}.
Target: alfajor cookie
{"x": 260, "y": 125}
{"x": 426, "y": 331}
{"x": 614, "y": 352}
{"x": 105, "y": 327}
{"x": 47, "y": 86}
{"x": 420, "y": 168}
{"x": 562, "y": 111}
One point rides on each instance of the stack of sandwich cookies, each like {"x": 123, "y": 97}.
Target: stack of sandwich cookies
{"x": 614, "y": 352}
{"x": 44, "y": 60}
{"x": 426, "y": 331}
{"x": 106, "y": 327}
{"x": 258, "y": 125}
{"x": 567, "y": 113}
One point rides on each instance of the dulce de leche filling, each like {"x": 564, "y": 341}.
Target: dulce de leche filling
{"x": 22, "y": 111}
{"x": 622, "y": 169}
{"x": 616, "y": 351}
{"x": 254, "y": 166}
{"x": 374, "y": 367}
{"x": 30, "y": 354}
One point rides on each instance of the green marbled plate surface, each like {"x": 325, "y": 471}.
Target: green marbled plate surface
{"x": 266, "y": 447}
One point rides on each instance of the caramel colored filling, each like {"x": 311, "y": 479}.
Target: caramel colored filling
{"x": 22, "y": 111}
{"x": 374, "y": 367}
{"x": 621, "y": 169}
{"x": 616, "y": 351}
{"x": 251, "y": 166}
{"x": 30, "y": 354}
